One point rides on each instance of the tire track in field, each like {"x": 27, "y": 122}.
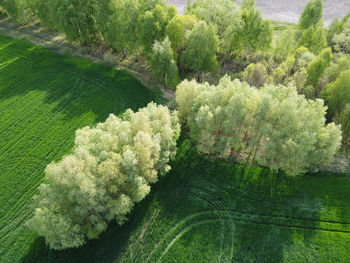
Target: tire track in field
{"x": 238, "y": 218}
{"x": 231, "y": 216}
{"x": 184, "y": 231}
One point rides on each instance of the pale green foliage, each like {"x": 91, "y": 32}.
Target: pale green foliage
{"x": 311, "y": 15}
{"x": 255, "y": 75}
{"x": 337, "y": 97}
{"x": 17, "y": 9}
{"x": 111, "y": 167}
{"x": 252, "y": 33}
{"x": 284, "y": 45}
{"x": 317, "y": 66}
{"x": 76, "y": 19}
{"x": 341, "y": 42}
{"x": 272, "y": 126}
{"x": 313, "y": 38}
{"x": 177, "y": 28}
{"x": 220, "y": 13}
{"x": 201, "y": 47}
{"x": 152, "y": 24}
{"x": 336, "y": 27}
{"x": 163, "y": 64}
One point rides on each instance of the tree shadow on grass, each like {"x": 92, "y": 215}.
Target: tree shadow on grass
{"x": 266, "y": 208}
{"x": 73, "y": 85}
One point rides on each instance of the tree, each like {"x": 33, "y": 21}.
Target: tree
{"x": 163, "y": 64}
{"x": 120, "y": 29}
{"x": 76, "y": 19}
{"x": 332, "y": 72}
{"x": 176, "y": 31}
{"x": 255, "y": 75}
{"x": 219, "y": 13}
{"x": 17, "y": 9}
{"x": 317, "y": 66}
{"x": 284, "y": 45}
{"x": 293, "y": 71}
{"x": 311, "y": 15}
{"x": 341, "y": 42}
{"x": 313, "y": 38}
{"x": 152, "y": 24}
{"x": 46, "y": 11}
{"x": 272, "y": 126}
{"x": 110, "y": 169}
{"x": 201, "y": 47}
{"x": 252, "y": 33}
{"x": 336, "y": 27}
{"x": 337, "y": 97}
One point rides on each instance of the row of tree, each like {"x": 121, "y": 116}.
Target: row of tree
{"x": 152, "y": 28}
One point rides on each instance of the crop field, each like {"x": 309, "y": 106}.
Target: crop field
{"x": 203, "y": 210}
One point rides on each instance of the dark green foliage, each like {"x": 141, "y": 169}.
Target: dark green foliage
{"x": 313, "y": 38}
{"x": 76, "y": 18}
{"x": 317, "y": 66}
{"x": 163, "y": 63}
{"x": 17, "y": 9}
{"x": 253, "y": 33}
{"x": 337, "y": 97}
{"x": 201, "y": 47}
{"x": 152, "y": 24}
{"x": 311, "y": 15}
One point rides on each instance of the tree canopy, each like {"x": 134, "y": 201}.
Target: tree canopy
{"x": 202, "y": 44}
{"x": 163, "y": 63}
{"x": 311, "y": 15}
{"x": 111, "y": 168}
{"x": 272, "y": 126}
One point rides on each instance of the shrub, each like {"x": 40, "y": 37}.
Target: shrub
{"x": 255, "y": 75}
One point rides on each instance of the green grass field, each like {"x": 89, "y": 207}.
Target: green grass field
{"x": 202, "y": 211}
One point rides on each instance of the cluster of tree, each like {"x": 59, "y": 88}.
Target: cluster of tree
{"x": 314, "y": 60}
{"x": 111, "y": 168}
{"x": 273, "y": 126}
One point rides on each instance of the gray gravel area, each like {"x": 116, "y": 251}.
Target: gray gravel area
{"x": 288, "y": 10}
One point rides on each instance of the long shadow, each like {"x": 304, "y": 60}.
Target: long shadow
{"x": 266, "y": 208}
{"x": 85, "y": 85}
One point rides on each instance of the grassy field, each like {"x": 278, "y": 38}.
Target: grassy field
{"x": 44, "y": 98}
{"x": 202, "y": 211}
